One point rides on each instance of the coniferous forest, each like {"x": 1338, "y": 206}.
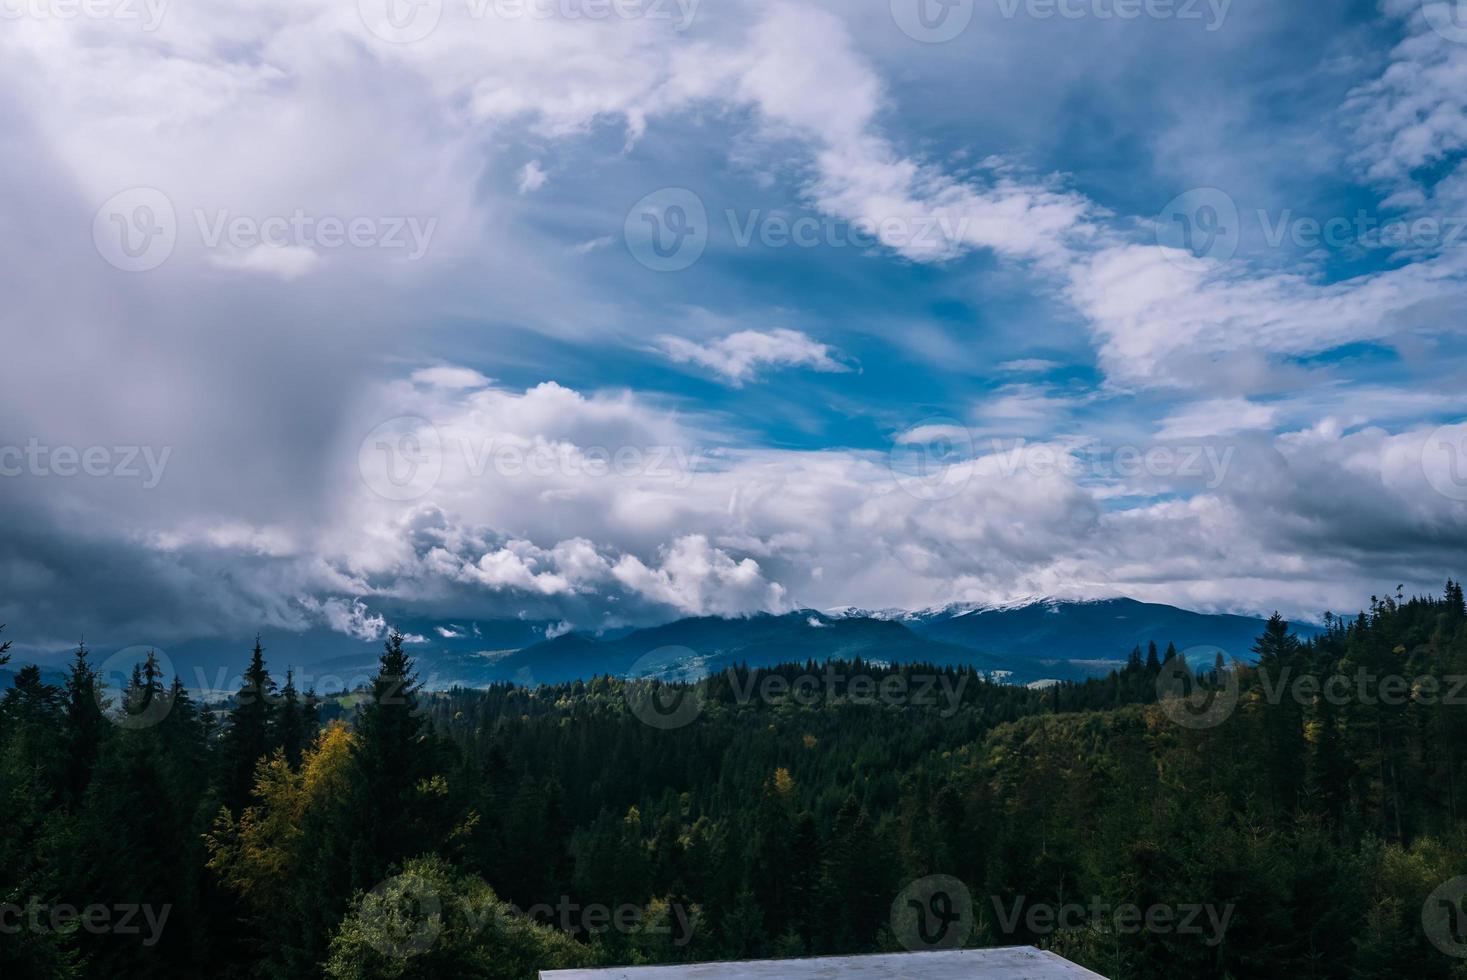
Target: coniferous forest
{"x": 1301, "y": 816}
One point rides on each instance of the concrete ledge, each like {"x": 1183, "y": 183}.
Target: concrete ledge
{"x": 1013, "y": 963}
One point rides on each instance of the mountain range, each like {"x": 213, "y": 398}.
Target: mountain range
{"x": 1025, "y": 641}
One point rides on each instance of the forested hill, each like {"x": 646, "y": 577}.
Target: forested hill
{"x": 1302, "y": 816}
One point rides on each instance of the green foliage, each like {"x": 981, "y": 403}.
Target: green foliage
{"x": 1318, "y": 827}
{"x": 430, "y": 921}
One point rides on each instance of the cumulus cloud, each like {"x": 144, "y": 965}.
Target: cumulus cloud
{"x": 351, "y": 617}
{"x": 697, "y": 579}
{"x": 265, "y": 370}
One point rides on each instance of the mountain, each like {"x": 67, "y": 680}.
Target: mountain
{"x": 1100, "y": 631}
{"x": 707, "y": 644}
{"x": 1022, "y": 641}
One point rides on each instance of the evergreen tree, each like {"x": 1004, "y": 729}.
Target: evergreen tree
{"x": 86, "y": 725}
{"x": 293, "y": 735}
{"x": 1281, "y": 661}
{"x": 251, "y": 732}
{"x": 392, "y": 767}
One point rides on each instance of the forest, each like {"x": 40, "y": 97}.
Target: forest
{"x": 1301, "y": 815}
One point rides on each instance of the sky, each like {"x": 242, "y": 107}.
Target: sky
{"x": 605, "y": 312}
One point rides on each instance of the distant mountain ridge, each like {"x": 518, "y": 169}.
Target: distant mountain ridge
{"x": 1023, "y": 640}
{"x": 1091, "y": 630}
{"x": 709, "y": 643}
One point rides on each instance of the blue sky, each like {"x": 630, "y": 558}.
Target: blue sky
{"x": 1090, "y": 305}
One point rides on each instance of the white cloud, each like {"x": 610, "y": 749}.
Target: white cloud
{"x": 698, "y": 579}
{"x": 694, "y": 524}
{"x": 750, "y": 529}
{"x": 739, "y": 356}
{"x": 1216, "y": 417}
{"x": 350, "y": 617}
{"x": 594, "y": 244}
{"x": 1030, "y": 365}
{"x": 532, "y": 177}
{"x": 451, "y": 378}
{"x": 286, "y": 261}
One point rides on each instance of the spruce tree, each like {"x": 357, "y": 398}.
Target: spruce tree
{"x": 250, "y": 736}
{"x": 391, "y": 766}
{"x": 86, "y": 725}
{"x": 1281, "y": 660}
{"x": 291, "y": 721}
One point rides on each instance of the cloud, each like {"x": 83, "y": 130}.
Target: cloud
{"x": 1165, "y": 319}
{"x": 451, "y": 378}
{"x": 597, "y": 509}
{"x": 697, "y": 579}
{"x": 739, "y": 356}
{"x": 286, "y": 261}
{"x": 1216, "y": 417}
{"x": 1414, "y": 115}
{"x": 532, "y": 177}
{"x": 593, "y": 502}
{"x": 350, "y": 617}
{"x": 587, "y": 247}
{"x": 1030, "y": 365}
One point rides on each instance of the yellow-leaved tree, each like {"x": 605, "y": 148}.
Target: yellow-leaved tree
{"x": 255, "y": 854}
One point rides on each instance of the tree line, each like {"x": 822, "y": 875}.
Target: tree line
{"x": 1315, "y": 796}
